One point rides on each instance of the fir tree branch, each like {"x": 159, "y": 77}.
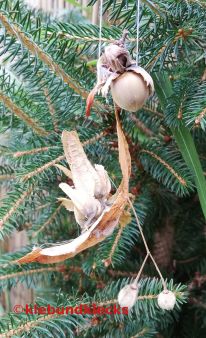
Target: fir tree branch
{"x": 141, "y": 125}
{"x": 198, "y": 2}
{"x": 27, "y": 326}
{"x": 51, "y": 109}
{"x": 32, "y": 151}
{"x": 14, "y": 31}
{"x": 141, "y": 333}
{"x": 29, "y": 272}
{"x": 43, "y": 168}
{"x": 180, "y": 34}
{"x": 153, "y": 111}
{"x": 62, "y": 157}
{"x": 93, "y": 39}
{"x": 15, "y": 206}
{"x": 21, "y": 114}
{"x": 144, "y": 297}
{"x": 173, "y": 172}
{"x": 116, "y": 273}
{"x": 108, "y": 260}
{"x": 7, "y": 177}
{"x": 50, "y": 219}
{"x": 156, "y": 57}
{"x": 200, "y": 117}
{"x": 154, "y": 7}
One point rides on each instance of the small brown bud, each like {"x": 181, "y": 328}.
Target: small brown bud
{"x": 107, "y": 262}
{"x": 167, "y": 138}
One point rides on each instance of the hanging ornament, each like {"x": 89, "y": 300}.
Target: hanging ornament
{"x": 127, "y": 296}
{"x": 166, "y": 300}
{"x": 130, "y": 84}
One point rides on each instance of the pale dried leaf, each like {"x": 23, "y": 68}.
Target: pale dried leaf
{"x": 103, "y": 187}
{"x": 103, "y": 226}
{"x": 82, "y": 171}
{"x": 86, "y": 204}
{"x": 65, "y": 170}
{"x": 68, "y": 204}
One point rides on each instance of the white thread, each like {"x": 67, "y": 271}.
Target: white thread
{"x": 100, "y": 27}
{"x": 137, "y": 26}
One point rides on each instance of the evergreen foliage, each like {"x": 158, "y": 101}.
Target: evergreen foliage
{"x": 47, "y": 70}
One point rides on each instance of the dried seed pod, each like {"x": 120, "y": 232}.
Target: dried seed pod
{"x": 102, "y": 227}
{"x": 132, "y": 88}
{"x": 103, "y": 184}
{"x": 127, "y": 296}
{"x": 92, "y": 180}
{"x": 86, "y": 207}
{"x": 130, "y": 85}
{"x": 116, "y": 58}
{"x": 166, "y": 300}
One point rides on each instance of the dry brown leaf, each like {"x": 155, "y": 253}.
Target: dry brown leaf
{"x": 125, "y": 218}
{"x": 104, "y": 225}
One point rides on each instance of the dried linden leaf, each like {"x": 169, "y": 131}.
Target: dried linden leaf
{"x": 106, "y": 222}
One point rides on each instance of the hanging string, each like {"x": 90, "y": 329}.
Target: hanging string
{"x": 137, "y": 26}
{"x": 100, "y": 27}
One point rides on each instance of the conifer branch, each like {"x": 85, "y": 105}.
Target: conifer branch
{"x": 27, "y": 326}
{"x": 50, "y": 219}
{"x": 29, "y": 272}
{"x": 153, "y": 111}
{"x": 144, "y": 297}
{"x": 198, "y": 2}
{"x": 154, "y": 7}
{"x": 43, "y": 168}
{"x": 32, "y": 151}
{"x": 172, "y": 171}
{"x": 141, "y": 333}
{"x": 22, "y": 115}
{"x": 141, "y": 125}
{"x": 14, "y": 31}
{"x": 93, "y": 39}
{"x": 108, "y": 260}
{"x": 7, "y": 177}
{"x": 15, "y": 206}
{"x": 200, "y": 117}
{"x": 51, "y": 109}
{"x": 157, "y": 56}
{"x": 117, "y": 273}
{"x": 62, "y": 157}
{"x": 31, "y": 324}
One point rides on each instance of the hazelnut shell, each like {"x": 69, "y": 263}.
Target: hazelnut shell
{"x": 130, "y": 91}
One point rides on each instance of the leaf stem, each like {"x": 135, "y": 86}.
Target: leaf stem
{"x": 183, "y": 139}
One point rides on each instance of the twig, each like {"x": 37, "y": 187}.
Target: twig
{"x": 62, "y": 157}
{"x": 22, "y": 115}
{"x": 172, "y": 171}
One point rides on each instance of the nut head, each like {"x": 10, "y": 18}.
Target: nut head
{"x": 127, "y": 296}
{"x": 130, "y": 91}
{"x": 166, "y": 300}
